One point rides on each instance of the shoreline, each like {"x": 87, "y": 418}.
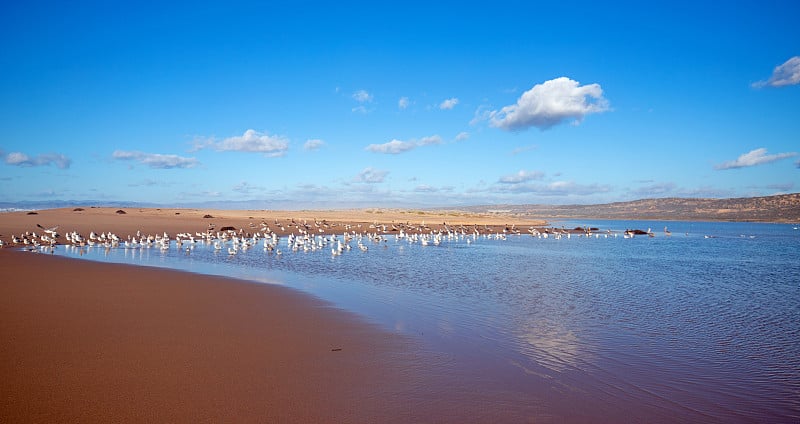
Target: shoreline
{"x": 91, "y": 341}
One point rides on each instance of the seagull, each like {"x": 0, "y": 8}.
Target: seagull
{"x": 50, "y": 231}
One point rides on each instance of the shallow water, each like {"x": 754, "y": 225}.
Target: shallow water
{"x": 686, "y": 327}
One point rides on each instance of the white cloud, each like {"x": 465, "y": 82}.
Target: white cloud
{"x": 785, "y": 74}
{"x": 549, "y": 104}
{"x": 393, "y": 147}
{"x": 313, "y": 144}
{"x": 371, "y": 175}
{"x": 156, "y": 160}
{"x": 448, "y": 104}
{"x": 398, "y": 146}
{"x": 403, "y": 103}
{"x": 251, "y": 141}
{"x": 463, "y": 135}
{"x": 521, "y": 177}
{"x": 21, "y": 159}
{"x": 362, "y": 96}
{"x": 753, "y": 158}
{"x": 427, "y": 141}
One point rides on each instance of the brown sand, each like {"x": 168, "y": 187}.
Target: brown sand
{"x": 94, "y": 342}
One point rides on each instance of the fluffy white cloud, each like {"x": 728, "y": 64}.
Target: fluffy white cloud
{"x": 521, "y": 177}
{"x": 362, "y": 96}
{"x": 549, "y": 104}
{"x": 398, "y": 146}
{"x": 156, "y": 160}
{"x": 313, "y": 144}
{"x": 448, "y": 104}
{"x": 403, "y": 102}
{"x": 753, "y": 158}
{"x": 463, "y": 135}
{"x": 371, "y": 175}
{"x": 251, "y": 141}
{"x": 785, "y": 74}
{"x": 21, "y": 159}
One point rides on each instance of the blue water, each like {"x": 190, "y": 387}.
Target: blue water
{"x": 700, "y": 325}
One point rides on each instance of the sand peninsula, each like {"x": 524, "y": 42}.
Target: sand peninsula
{"x": 129, "y": 221}
{"x": 95, "y": 342}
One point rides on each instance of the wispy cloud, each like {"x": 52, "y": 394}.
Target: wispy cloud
{"x": 521, "y": 177}
{"x": 783, "y": 188}
{"x": 246, "y": 188}
{"x": 149, "y": 182}
{"x": 753, "y": 158}
{"x": 463, "y": 135}
{"x": 398, "y": 146}
{"x": 523, "y": 149}
{"x": 531, "y": 182}
{"x": 549, "y": 104}
{"x": 403, "y": 103}
{"x": 424, "y": 188}
{"x": 555, "y": 188}
{"x": 313, "y": 144}
{"x": 251, "y": 141}
{"x": 156, "y": 160}
{"x": 655, "y": 190}
{"x": 448, "y": 104}
{"x": 362, "y": 96}
{"x": 785, "y": 74}
{"x": 371, "y": 176}
{"x": 21, "y": 159}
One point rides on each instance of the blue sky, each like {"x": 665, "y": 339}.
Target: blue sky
{"x": 307, "y": 105}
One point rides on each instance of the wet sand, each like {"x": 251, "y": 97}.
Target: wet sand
{"x": 93, "y": 342}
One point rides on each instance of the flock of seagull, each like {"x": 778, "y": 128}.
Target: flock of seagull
{"x": 299, "y": 237}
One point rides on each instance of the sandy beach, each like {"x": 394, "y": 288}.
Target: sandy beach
{"x": 96, "y": 342}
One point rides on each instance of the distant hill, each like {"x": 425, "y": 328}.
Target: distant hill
{"x": 779, "y": 208}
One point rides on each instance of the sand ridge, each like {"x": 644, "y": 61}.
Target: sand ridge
{"x": 126, "y": 222}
